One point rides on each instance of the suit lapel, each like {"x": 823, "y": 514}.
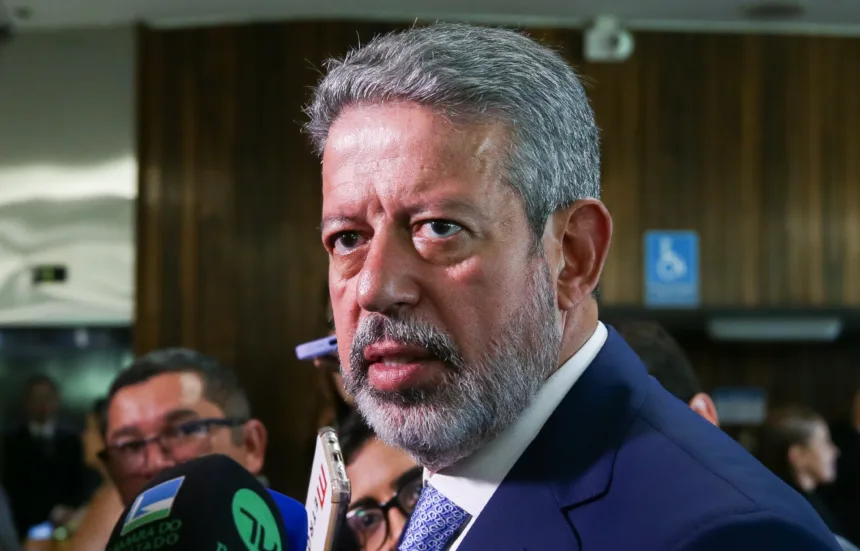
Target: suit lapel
{"x": 570, "y": 461}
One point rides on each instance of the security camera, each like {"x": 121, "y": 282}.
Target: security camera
{"x": 6, "y": 31}
{"x": 7, "y": 28}
{"x": 606, "y": 41}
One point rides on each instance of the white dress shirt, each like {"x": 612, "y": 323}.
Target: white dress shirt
{"x": 472, "y": 482}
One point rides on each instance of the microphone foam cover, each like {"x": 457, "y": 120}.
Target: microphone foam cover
{"x": 211, "y": 503}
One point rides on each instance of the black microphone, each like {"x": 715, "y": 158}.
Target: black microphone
{"x": 211, "y": 503}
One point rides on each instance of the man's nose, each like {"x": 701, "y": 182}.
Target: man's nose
{"x": 396, "y": 523}
{"x": 156, "y": 459}
{"x": 388, "y": 277}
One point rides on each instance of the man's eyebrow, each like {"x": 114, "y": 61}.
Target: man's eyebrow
{"x": 124, "y": 431}
{"x": 337, "y": 220}
{"x": 178, "y": 415}
{"x": 446, "y": 204}
{"x": 171, "y": 417}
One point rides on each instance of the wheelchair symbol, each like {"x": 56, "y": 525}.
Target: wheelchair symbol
{"x": 670, "y": 266}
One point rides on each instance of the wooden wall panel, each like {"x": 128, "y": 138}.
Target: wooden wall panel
{"x": 229, "y": 255}
{"x": 824, "y": 376}
{"x": 749, "y": 140}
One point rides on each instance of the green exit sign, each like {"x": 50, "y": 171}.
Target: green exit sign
{"x": 51, "y": 273}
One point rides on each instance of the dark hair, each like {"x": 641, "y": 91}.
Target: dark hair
{"x": 40, "y": 379}
{"x": 786, "y": 427}
{"x": 220, "y": 384}
{"x": 99, "y": 410}
{"x": 353, "y": 434}
{"x": 663, "y": 357}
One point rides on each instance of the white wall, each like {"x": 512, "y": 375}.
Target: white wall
{"x": 68, "y": 175}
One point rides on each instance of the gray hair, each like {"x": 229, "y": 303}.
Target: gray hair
{"x": 478, "y": 74}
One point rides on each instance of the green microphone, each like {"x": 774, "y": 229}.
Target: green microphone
{"x": 211, "y": 503}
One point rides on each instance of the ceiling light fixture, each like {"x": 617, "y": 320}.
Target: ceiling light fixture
{"x": 775, "y": 329}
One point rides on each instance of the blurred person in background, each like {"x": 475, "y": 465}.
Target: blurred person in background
{"x": 843, "y": 496}
{"x": 171, "y": 406}
{"x": 92, "y": 525}
{"x": 9, "y": 539}
{"x": 93, "y": 443}
{"x": 795, "y": 445}
{"x": 340, "y": 403}
{"x": 43, "y": 469}
{"x": 666, "y": 361}
{"x": 386, "y": 483}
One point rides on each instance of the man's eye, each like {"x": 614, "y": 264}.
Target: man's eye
{"x": 192, "y": 428}
{"x": 130, "y": 447}
{"x": 440, "y": 229}
{"x": 344, "y": 242}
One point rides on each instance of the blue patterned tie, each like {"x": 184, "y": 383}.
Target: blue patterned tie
{"x": 434, "y": 522}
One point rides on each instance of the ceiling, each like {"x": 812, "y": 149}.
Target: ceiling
{"x": 821, "y": 16}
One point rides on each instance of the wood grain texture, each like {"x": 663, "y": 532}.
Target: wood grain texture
{"x": 751, "y": 141}
{"x": 823, "y": 376}
{"x": 229, "y": 257}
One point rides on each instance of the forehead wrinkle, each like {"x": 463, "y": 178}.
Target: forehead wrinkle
{"x": 410, "y": 163}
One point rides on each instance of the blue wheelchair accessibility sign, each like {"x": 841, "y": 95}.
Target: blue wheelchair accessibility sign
{"x": 672, "y": 269}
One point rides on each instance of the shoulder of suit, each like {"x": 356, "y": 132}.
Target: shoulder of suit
{"x": 746, "y": 531}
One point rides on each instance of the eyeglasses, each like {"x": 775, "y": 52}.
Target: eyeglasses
{"x": 181, "y": 442}
{"x": 368, "y": 519}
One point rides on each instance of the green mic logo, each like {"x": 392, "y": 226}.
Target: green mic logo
{"x": 255, "y": 522}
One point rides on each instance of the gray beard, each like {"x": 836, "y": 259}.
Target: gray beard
{"x": 476, "y": 401}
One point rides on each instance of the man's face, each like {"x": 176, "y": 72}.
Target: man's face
{"x": 816, "y": 459}
{"x": 446, "y": 317}
{"x": 41, "y": 403}
{"x": 164, "y": 404}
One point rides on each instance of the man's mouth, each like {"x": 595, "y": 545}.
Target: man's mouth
{"x": 395, "y": 367}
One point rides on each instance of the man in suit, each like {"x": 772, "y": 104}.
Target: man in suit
{"x": 669, "y": 365}
{"x": 43, "y": 465}
{"x": 466, "y": 237}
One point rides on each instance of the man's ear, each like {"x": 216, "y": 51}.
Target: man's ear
{"x": 581, "y": 233}
{"x": 704, "y": 406}
{"x": 255, "y": 440}
{"x": 795, "y": 455}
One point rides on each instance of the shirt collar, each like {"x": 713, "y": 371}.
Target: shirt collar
{"x": 472, "y": 482}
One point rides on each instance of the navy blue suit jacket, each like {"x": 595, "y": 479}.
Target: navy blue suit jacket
{"x": 622, "y": 465}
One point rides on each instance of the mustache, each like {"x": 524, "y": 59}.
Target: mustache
{"x": 405, "y": 331}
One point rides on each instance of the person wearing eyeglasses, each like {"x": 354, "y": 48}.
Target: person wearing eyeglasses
{"x": 171, "y": 406}
{"x": 386, "y": 483}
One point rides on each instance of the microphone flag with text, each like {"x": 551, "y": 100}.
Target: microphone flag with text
{"x": 211, "y": 503}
